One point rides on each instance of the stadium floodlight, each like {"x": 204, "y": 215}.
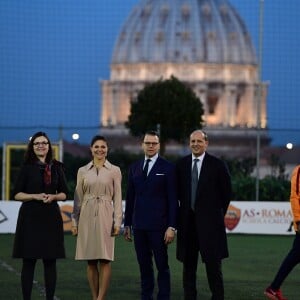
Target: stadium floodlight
{"x": 75, "y": 136}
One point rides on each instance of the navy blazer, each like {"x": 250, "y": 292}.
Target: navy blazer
{"x": 151, "y": 203}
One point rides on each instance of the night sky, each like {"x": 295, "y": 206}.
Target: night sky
{"x": 54, "y": 53}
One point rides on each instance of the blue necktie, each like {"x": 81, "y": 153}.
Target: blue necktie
{"x": 145, "y": 170}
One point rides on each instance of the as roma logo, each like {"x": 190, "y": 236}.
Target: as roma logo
{"x": 232, "y": 217}
{"x": 66, "y": 212}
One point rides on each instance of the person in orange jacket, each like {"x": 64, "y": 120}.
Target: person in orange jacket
{"x": 293, "y": 257}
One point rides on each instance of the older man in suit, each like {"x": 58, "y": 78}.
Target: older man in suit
{"x": 204, "y": 192}
{"x": 151, "y": 211}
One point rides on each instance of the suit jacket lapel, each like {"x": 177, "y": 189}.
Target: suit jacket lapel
{"x": 203, "y": 170}
{"x": 188, "y": 170}
{"x": 140, "y": 167}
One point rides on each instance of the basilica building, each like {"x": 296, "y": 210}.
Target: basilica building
{"x": 206, "y": 45}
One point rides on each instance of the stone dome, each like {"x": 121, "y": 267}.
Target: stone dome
{"x": 204, "y": 43}
{"x": 184, "y": 31}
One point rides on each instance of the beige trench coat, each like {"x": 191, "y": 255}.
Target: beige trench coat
{"x": 97, "y": 208}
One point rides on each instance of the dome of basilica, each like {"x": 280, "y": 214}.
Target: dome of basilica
{"x": 203, "y": 43}
{"x": 184, "y": 31}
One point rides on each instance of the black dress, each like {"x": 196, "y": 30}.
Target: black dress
{"x": 39, "y": 232}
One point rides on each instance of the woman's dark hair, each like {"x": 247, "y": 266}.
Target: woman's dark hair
{"x": 30, "y": 156}
{"x": 98, "y": 138}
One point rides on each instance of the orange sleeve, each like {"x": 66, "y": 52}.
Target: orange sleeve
{"x": 295, "y": 194}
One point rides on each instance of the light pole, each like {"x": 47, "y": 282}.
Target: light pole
{"x": 259, "y": 96}
{"x": 61, "y": 142}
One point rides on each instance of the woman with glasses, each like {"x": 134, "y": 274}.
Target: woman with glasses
{"x": 41, "y": 183}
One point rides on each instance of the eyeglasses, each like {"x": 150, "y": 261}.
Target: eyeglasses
{"x": 151, "y": 143}
{"x": 40, "y": 144}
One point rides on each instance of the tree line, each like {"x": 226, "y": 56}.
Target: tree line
{"x": 172, "y": 107}
{"x": 273, "y": 187}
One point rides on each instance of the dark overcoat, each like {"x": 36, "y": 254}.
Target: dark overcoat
{"x": 212, "y": 199}
{"x": 39, "y": 231}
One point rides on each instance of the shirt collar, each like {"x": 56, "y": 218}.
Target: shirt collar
{"x": 107, "y": 165}
{"x": 153, "y": 158}
{"x": 198, "y": 157}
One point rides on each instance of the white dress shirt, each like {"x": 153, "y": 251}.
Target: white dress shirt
{"x": 151, "y": 162}
{"x": 199, "y": 162}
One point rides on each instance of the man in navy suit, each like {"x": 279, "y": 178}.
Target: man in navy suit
{"x": 151, "y": 211}
{"x": 204, "y": 193}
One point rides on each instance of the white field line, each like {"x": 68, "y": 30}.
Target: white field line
{"x": 40, "y": 288}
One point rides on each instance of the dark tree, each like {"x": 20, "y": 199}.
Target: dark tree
{"x": 169, "y": 104}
